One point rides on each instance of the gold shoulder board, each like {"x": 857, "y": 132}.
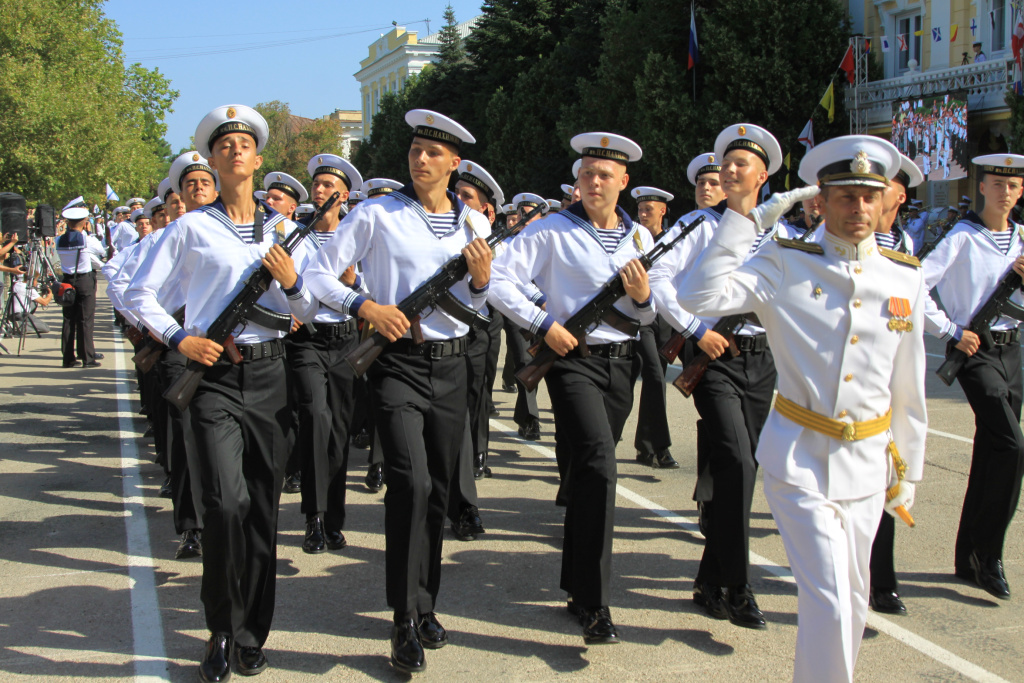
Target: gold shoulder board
{"x": 900, "y": 257}
{"x": 809, "y": 247}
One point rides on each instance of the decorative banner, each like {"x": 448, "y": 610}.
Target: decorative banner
{"x": 903, "y": 42}
{"x": 694, "y": 55}
{"x": 111, "y": 195}
{"x": 936, "y": 35}
{"x": 953, "y": 31}
{"x": 885, "y": 43}
{"x": 919, "y": 33}
{"x": 974, "y": 26}
{"x": 828, "y": 101}
{"x": 847, "y": 65}
{"x": 807, "y": 136}
{"x": 787, "y": 163}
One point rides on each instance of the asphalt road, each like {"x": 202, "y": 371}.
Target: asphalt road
{"x": 89, "y": 589}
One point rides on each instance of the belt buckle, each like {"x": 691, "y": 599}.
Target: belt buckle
{"x": 436, "y": 351}
{"x": 849, "y": 432}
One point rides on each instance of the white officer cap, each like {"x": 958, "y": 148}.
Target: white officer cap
{"x": 355, "y": 196}
{"x": 185, "y": 164}
{"x": 164, "y": 189}
{"x": 646, "y": 193}
{"x": 909, "y": 174}
{"x": 554, "y": 204}
{"x": 477, "y": 176}
{"x": 374, "y": 187}
{"x": 136, "y": 200}
{"x": 916, "y": 203}
{"x": 529, "y": 200}
{"x": 965, "y": 198}
{"x": 863, "y": 160}
{"x": 607, "y": 146}
{"x": 508, "y": 208}
{"x": 152, "y": 206}
{"x": 567, "y": 191}
{"x": 304, "y": 210}
{"x": 701, "y": 164}
{"x": 576, "y": 168}
{"x": 138, "y": 212}
{"x": 433, "y": 126}
{"x": 77, "y": 201}
{"x": 122, "y": 209}
{"x": 231, "y": 118}
{"x": 75, "y": 213}
{"x": 260, "y": 195}
{"x": 1010, "y": 165}
{"x": 276, "y": 180}
{"x": 751, "y": 138}
{"x": 336, "y": 166}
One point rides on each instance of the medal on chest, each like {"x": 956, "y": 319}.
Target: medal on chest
{"x": 900, "y": 311}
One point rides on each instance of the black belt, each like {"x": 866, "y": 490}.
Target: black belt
{"x": 81, "y": 274}
{"x": 751, "y": 343}
{"x": 434, "y": 350}
{"x": 613, "y": 350}
{"x": 1004, "y": 337}
{"x": 334, "y": 330}
{"x": 268, "y": 349}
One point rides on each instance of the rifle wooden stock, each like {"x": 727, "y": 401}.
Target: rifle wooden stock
{"x": 692, "y": 374}
{"x": 363, "y": 356}
{"x": 532, "y": 373}
{"x": 180, "y": 393}
{"x": 671, "y": 349}
{"x": 146, "y": 357}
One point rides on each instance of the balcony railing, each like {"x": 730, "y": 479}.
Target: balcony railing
{"x": 989, "y": 78}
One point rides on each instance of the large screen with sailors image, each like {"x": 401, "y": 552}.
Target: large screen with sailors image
{"x": 933, "y": 132}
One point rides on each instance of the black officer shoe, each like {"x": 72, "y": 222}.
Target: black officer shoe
{"x": 509, "y": 388}
{"x": 190, "y": 546}
{"x": 93, "y": 364}
{"x": 216, "y": 664}
{"x": 711, "y": 599}
{"x": 742, "y": 608}
{"x": 469, "y": 524}
{"x": 375, "y": 477}
{"x": 531, "y": 430}
{"x": 406, "y": 652}
{"x": 432, "y": 634}
{"x": 886, "y": 601}
{"x": 75, "y": 364}
{"x": 98, "y": 356}
{"x": 293, "y": 483}
{"x": 480, "y": 468}
{"x": 646, "y": 459}
{"x": 166, "y": 491}
{"x": 598, "y": 628}
{"x": 315, "y": 542}
{"x": 361, "y": 440}
{"x": 665, "y": 461}
{"x": 251, "y": 660}
{"x": 335, "y": 539}
{"x": 989, "y": 576}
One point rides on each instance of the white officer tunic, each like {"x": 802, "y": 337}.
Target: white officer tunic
{"x": 122, "y": 235}
{"x": 826, "y": 316}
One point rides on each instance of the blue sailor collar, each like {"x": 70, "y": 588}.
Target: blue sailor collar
{"x": 578, "y": 215}
{"x": 72, "y": 239}
{"x": 217, "y": 211}
{"x": 718, "y": 210}
{"x": 974, "y": 220}
{"x": 407, "y": 195}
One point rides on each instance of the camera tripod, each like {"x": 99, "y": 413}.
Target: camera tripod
{"x": 39, "y": 270}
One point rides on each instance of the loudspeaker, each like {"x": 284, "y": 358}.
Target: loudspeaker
{"x": 45, "y": 220}
{"x": 13, "y": 215}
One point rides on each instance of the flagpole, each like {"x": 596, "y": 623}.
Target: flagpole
{"x": 695, "y": 62}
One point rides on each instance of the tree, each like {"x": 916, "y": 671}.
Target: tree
{"x": 152, "y": 94}
{"x": 293, "y": 141}
{"x": 451, "y": 53}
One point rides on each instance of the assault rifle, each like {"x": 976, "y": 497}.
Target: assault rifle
{"x": 943, "y": 231}
{"x": 146, "y": 357}
{"x": 695, "y": 369}
{"x": 434, "y": 293}
{"x": 600, "y": 308}
{"x": 259, "y": 281}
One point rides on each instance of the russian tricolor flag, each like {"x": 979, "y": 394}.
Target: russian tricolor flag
{"x": 694, "y": 54}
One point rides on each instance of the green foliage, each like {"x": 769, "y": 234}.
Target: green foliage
{"x": 293, "y": 142}
{"x": 71, "y": 116}
{"x": 452, "y": 53}
{"x": 1016, "y": 104}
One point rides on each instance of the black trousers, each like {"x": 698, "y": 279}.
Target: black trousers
{"x": 153, "y": 397}
{"x": 491, "y": 368}
{"x": 991, "y": 380}
{"x": 652, "y": 434}
{"x": 181, "y": 450}
{"x": 79, "y": 320}
{"x": 526, "y": 401}
{"x": 733, "y": 400}
{"x": 325, "y": 390}
{"x": 420, "y": 413}
{"x": 883, "y": 564}
{"x": 591, "y": 399}
{"x": 240, "y": 417}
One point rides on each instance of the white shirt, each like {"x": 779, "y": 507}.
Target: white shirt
{"x": 564, "y": 255}
{"x": 122, "y": 235}
{"x": 833, "y": 350}
{"x": 324, "y": 313}
{"x": 128, "y": 262}
{"x": 24, "y": 297}
{"x": 77, "y": 253}
{"x": 392, "y": 237}
{"x": 202, "y": 255}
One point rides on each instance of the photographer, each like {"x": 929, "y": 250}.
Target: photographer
{"x": 76, "y": 250}
{"x": 26, "y": 300}
{"x": 9, "y": 266}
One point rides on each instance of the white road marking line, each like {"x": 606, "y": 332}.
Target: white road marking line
{"x": 875, "y": 621}
{"x": 147, "y": 627}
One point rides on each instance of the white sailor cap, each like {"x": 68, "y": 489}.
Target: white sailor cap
{"x": 963, "y": 205}
{"x": 304, "y": 209}
{"x": 152, "y": 206}
{"x": 1010, "y": 165}
{"x": 753, "y": 139}
{"x": 136, "y": 200}
{"x": 701, "y": 164}
{"x": 645, "y": 193}
{"x": 260, "y": 195}
{"x": 275, "y": 180}
{"x": 75, "y": 213}
{"x": 77, "y": 201}
{"x": 374, "y": 187}
{"x": 530, "y": 200}
{"x": 909, "y": 174}
{"x": 185, "y": 164}
{"x": 607, "y": 146}
{"x": 137, "y": 213}
{"x": 863, "y": 160}
{"x": 355, "y": 196}
{"x": 576, "y": 168}
{"x": 567, "y": 191}
{"x": 554, "y": 204}
{"x": 965, "y": 198}
{"x": 916, "y": 203}
{"x": 164, "y": 189}
{"x": 336, "y": 166}
{"x": 508, "y": 208}
{"x": 231, "y": 118}
{"x": 477, "y": 176}
{"x": 122, "y": 209}
{"x": 433, "y": 126}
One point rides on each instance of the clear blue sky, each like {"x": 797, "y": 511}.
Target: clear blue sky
{"x": 217, "y": 52}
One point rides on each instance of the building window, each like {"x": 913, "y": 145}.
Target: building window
{"x": 999, "y": 30}
{"x": 906, "y": 26}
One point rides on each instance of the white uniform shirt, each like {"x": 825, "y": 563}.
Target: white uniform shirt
{"x": 127, "y": 266}
{"x": 326, "y": 314}
{"x": 965, "y": 269}
{"x": 77, "y": 253}
{"x": 391, "y": 236}
{"x": 123, "y": 234}
{"x": 833, "y": 349}
{"x": 563, "y": 254}
{"x": 203, "y": 256}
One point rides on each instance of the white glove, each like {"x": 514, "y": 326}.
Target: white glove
{"x": 904, "y": 497}
{"x": 766, "y": 214}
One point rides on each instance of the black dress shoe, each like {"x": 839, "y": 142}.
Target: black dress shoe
{"x": 406, "y": 651}
{"x": 742, "y": 608}
{"x": 573, "y": 608}
{"x": 190, "y": 546}
{"x": 711, "y": 599}
{"x": 361, "y": 440}
{"x": 480, "y": 468}
{"x": 216, "y": 664}
{"x": 469, "y": 524}
{"x": 989, "y": 576}
{"x": 493, "y": 411}
{"x": 93, "y": 364}
{"x": 166, "y": 490}
{"x": 664, "y": 460}
{"x": 375, "y": 477}
{"x": 646, "y": 459}
{"x": 98, "y": 356}
{"x": 509, "y": 388}
{"x": 293, "y": 483}
{"x": 335, "y": 539}
{"x": 531, "y": 430}
{"x": 598, "y": 628}
{"x": 432, "y": 634}
{"x": 886, "y": 601}
{"x": 251, "y": 660}
{"x": 315, "y": 542}
{"x": 149, "y": 432}
{"x": 75, "y": 364}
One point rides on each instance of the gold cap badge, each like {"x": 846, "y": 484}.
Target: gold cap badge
{"x": 430, "y": 119}
{"x": 860, "y": 163}
{"x": 279, "y": 176}
{"x": 1009, "y": 161}
{"x": 711, "y": 158}
{"x": 469, "y": 167}
{"x": 604, "y": 142}
{"x": 319, "y": 160}
{"x": 742, "y": 130}
{"x": 195, "y": 157}
{"x": 231, "y": 112}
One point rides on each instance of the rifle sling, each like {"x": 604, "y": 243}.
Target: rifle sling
{"x": 264, "y": 317}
